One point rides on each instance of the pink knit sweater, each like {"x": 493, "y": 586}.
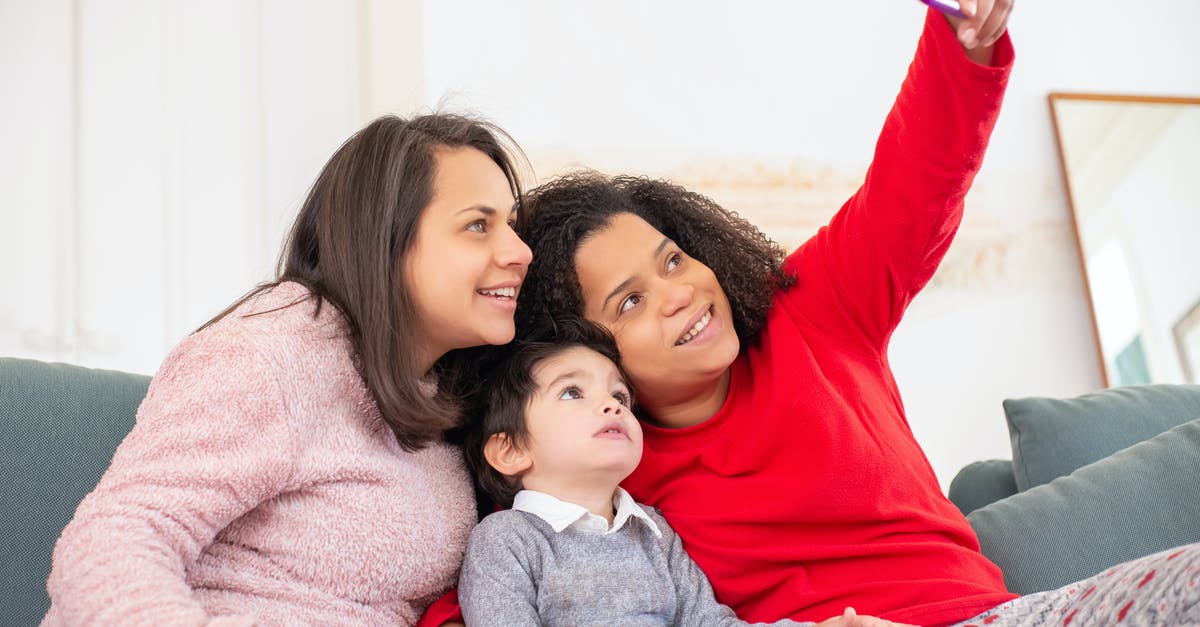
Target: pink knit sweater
{"x": 260, "y": 486}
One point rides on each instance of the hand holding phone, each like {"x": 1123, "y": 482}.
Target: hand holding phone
{"x": 948, "y": 7}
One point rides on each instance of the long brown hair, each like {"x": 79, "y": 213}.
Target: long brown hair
{"x": 348, "y": 243}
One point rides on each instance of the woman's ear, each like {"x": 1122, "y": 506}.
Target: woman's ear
{"x": 503, "y": 454}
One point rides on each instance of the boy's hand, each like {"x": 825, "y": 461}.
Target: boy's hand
{"x": 850, "y": 618}
{"x": 986, "y": 22}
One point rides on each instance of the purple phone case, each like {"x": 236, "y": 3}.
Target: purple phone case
{"x": 949, "y": 7}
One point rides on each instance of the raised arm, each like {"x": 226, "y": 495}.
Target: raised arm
{"x": 986, "y": 23}
{"x": 859, "y": 273}
{"x": 212, "y": 440}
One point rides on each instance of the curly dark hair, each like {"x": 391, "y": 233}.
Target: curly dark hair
{"x": 506, "y": 387}
{"x": 557, "y": 217}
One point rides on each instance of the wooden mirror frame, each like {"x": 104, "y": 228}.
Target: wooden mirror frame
{"x": 1066, "y": 178}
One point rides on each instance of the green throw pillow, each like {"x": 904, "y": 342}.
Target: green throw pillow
{"x": 1139, "y": 501}
{"x": 1053, "y": 437}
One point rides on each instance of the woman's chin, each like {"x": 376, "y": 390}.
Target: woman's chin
{"x": 497, "y": 335}
{"x": 723, "y": 353}
{"x": 500, "y": 335}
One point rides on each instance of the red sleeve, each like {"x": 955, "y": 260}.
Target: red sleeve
{"x": 442, "y": 610}
{"x": 857, "y": 275}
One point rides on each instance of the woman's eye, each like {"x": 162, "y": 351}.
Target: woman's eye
{"x": 673, "y": 261}
{"x": 478, "y": 226}
{"x": 622, "y": 397}
{"x": 570, "y": 394}
{"x": 630, "y": 302}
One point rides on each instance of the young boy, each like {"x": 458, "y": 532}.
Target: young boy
{"x": 555, "y": 439}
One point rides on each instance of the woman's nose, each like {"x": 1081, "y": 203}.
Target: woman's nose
{"x": 676, "y": 296}
{"x": 511, "y": 251}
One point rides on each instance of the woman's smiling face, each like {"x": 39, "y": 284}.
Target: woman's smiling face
{"x": 466, "y": 264}
{"x": 670, "y": 317}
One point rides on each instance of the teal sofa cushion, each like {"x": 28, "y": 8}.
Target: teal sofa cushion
{"x": 1141, "y": 500}
{"x": 1053, "y": 437}
{"x": 59, "y": 427}
{"x": 980, "y": 483}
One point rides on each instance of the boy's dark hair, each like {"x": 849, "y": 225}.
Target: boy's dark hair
{"x": 557, "y": 217}
{"x": 508, "y": 387}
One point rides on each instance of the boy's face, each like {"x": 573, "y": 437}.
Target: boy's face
{"x": 582, "y": 434}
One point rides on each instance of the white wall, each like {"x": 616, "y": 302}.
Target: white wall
{"x": 153, "y": 152}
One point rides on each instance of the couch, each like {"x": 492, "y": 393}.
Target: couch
{"x": 59, "y": 427}
{"x": 1093, "y": 481}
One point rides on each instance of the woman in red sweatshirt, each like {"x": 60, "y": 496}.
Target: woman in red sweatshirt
{"x": 776, "y": 442}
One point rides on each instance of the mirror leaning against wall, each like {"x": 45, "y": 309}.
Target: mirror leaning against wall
{"x": 1131, "y": 165}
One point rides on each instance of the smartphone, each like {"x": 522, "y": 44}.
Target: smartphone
{"x": 949, "y": 7}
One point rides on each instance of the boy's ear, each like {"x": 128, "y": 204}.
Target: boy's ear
{"x": 503, "y": 454}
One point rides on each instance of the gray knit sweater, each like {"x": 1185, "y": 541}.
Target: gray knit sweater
{"x": 519, "y": 571}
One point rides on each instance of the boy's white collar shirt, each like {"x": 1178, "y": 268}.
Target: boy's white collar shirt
{"x": 560, "y": 514}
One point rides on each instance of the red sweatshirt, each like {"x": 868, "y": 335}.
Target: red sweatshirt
{"x": 807, "y": 492}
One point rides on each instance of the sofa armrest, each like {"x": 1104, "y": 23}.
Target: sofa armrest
{"x": 59, "y": 426}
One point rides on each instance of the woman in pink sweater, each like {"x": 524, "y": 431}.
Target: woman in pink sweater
{"x": 289, "y": 464}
